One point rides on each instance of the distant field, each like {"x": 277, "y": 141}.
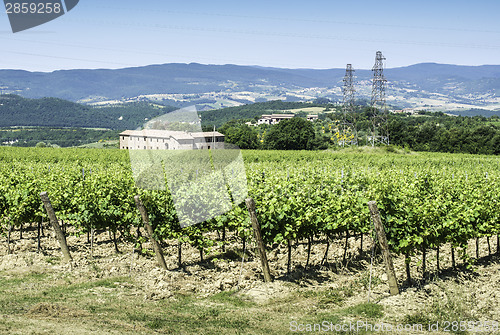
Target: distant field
{"x": 307, "y": 109}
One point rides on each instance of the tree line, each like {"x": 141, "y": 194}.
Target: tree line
{"x": 425, "y": 131}
{"x": 52, "y": 112}
{"x": 62, "y": 137}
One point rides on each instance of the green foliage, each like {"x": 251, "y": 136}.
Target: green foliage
{"x": 62, "y": 137}
{"x": 292, "y": 134}
{"x": 442, "y": 133}
{"x": 242, "y": 135}
{"x": 425, "y": 200}
{"x": 427, "y": 131}
{"x": 16, "y": 111}
{"x": 218, "y": 117}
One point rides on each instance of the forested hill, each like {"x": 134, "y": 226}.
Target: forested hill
{"x": 217, "y": 117}
{"x": 53, "y": 112}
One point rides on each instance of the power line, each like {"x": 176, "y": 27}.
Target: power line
{"x": 161, "y": 27}
{"x": 299, "y": 19}
{"x": 66, "y": 58}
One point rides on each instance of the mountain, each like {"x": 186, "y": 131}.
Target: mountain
{"x": 192, "y": 78}
{"x": 423, "y": 86}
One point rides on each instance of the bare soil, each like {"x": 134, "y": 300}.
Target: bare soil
{"x": 473, "y": 295}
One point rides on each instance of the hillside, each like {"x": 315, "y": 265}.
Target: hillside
{"x": 429, "y": 86}
{"x": 218, "y": 117}
{"x": 54, "y": 112}
{"x": 16, "y": 111}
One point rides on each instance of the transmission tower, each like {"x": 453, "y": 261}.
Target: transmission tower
{"x": 349, "y": 135}
{"x": 380, "y": 133}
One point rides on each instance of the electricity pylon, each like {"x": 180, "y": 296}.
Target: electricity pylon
{"x": 380, "y": 131}
{"x": 349, "y": 135}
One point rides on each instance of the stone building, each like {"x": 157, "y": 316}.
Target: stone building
{"x": 153, "y": 139}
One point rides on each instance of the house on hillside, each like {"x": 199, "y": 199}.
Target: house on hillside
{"x": 405, "y": 111}
{"x": 153, "y": 139}
{"x": 274, "y": 118}
{"x": 312, "y": 117}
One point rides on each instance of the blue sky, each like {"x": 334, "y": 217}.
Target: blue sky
{"x": 292, "y": 34}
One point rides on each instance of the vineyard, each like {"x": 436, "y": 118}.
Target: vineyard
{"x": 426, "y": 201}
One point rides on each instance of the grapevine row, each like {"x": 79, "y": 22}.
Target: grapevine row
{"x": 425, "y": 200}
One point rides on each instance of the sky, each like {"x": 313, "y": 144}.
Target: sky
{"x": 289, "y": 34}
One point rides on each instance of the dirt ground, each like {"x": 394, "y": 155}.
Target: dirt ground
{"x": 445, "y": 296}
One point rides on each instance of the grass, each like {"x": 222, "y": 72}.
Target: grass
{"x": 118, "y": 304}
{"x": 365, "y": 280}
{"x": 113, "y": 306}
{"x": 365, "y": 310}
{"x": 53, "y": 260}
{"x": 311, "y": 110}
{"x": 377, "y": 150}
{"x": 54, "y": 301}
{"x": 330, "y": 297}
{"x": 230, "y": 298}
{"x": 454, "y": 304}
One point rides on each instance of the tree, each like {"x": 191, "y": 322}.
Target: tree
{"x": 244, "y": 136}
{"x": 495, "y": 144}
{"x": 292, "y": 134}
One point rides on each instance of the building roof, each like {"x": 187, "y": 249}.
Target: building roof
{"x": 153, "y": 133}
{"x": 179, "y": 135}
{"x": 277, "y": 116}
{"x": 207, "y": 134}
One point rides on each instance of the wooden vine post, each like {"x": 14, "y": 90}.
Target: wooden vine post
{"x": 38, "y": 246}
{"x": 149, "y": 230}
{"x": 55, "y": 224}
{"x": 258, "y": 237}
{"x": 379, "y": 228}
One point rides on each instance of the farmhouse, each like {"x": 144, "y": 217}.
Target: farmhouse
{"x": 274, "y": 118}
{"x": 153, "y": 139}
